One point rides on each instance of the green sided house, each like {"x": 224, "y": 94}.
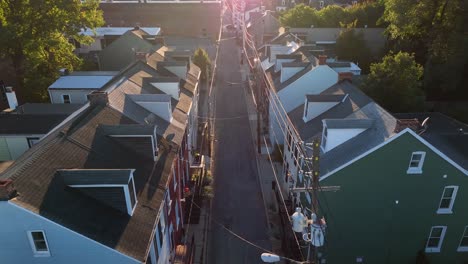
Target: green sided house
{"x": 403, "y": 180}
{"x": 403, "y": 200}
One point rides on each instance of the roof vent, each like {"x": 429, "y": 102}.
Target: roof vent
{"x": 7, "y": 190}
{"x": 98, "y": 98}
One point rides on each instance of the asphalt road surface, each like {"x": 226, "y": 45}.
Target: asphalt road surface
{"x": 237, "y": 202}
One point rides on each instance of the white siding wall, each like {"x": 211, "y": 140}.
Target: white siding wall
{"x": 336, "y": 137}
{"x": 313, "y": 82}
{"x": 76, "y": 96}
{"x": 65, "y": 246}
{"x": 17, "y": 146}
{"x": 95, "y": 46}
{"x": 4, "y": 150}
{"x": 161, "y": 109}
{"x": 288, "y": 72}
{"x": 314, "y": 109}
{"x": 171, "y": 89}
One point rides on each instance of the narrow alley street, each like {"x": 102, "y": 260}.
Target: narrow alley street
{"x": 237, "y": 202}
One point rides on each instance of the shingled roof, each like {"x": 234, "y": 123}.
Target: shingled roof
{"x": 79, "y": 144}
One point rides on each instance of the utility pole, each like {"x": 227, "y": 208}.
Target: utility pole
{"x": 311, "y": 169}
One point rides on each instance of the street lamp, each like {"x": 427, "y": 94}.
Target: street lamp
{"x": 272, "y": 258}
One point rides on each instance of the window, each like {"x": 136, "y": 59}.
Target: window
{"x": 463, "y": 247}
{"x": 289, "y": 141}
{"x": 416, "y": 162}
{"x": 322, "y": 4}
{"x": 32, "y": 141}
{"x": 66, "y": 99}
{"x": 447, "y": 200}
{"x": 38, "y": 243}
{"x": 436, "y": 237}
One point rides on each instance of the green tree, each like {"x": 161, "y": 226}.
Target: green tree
{"x": 351, "y": 46}
{"x": 395, "y": 83}
{"x": 202, "y": 60}
{"x": 434, "y": 31}
{"x": 300, "y": 16}
{"x": 36, "y": 38}
{"x": 331, "y": 16}
{"x": 367, "y": 13}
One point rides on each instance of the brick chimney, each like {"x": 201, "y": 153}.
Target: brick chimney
{"x": 345, "y": 76}
{"x": 98, "y": 98}
{"x": 7, "y": 190}
{"x": 141, "y": 56}
{"x": 322, "y": 59}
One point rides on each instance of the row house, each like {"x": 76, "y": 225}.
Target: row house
{"x": 402, "y": 178}
{"x": 108, "y": 183}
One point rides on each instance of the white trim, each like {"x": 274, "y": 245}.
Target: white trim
{"x": 406, "y": 130}
{"x": 441, "y": 240}
{"x": 452, "y": 200}
{"x": 438, "y": 152}
{"x": 73, "y": 115}
{"x": 464, "y": 234}
{"x": 37, "y": 253}
{"x": 74, "y": 232}
{"x": 418, "y": 169}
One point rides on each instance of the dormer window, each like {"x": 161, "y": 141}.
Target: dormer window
{"x": 113, "y": 187}
{"x": 324, "y": 138}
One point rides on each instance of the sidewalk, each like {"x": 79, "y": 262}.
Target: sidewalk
{"x": 266, "y": 175}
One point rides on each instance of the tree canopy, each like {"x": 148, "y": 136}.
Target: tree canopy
{"x": 351, "y": 46}
{"x": 36, "y": 39}
{"x": 202, "y": 60}
{"x": 365, "y": 14}
{"x": 435, "y": 31}
{"x": 395, "y": 83}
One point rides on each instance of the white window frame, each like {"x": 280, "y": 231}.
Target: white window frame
{"x": 460, "y": 247}
{"x": 416, "y": 170}
{"x": 168, "y": 202}
{"x": 69, "y": 98}
{"x": 33, "y": 245}
{"x": 321, "y": 4}
{"x": 452, "y": 200}
{"x": 441, "y": 240}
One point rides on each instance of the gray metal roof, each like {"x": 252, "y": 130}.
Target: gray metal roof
{"x": 356, "y": 99}
{"x": 160, "y": 98}
{"x": 348, "y": 123}
{"x": 448, "y": 135}
{"x": 382, "y": 129}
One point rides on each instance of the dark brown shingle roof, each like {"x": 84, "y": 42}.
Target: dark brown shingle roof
{"x": 80, "y": 145}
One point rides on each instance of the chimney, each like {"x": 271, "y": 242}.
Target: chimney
{"x": 286, "y": 29}
{"x": 98, "y": 98}
{"x": 141, "y": 56}
{"x": 322, "y": 59}
{"x": 7, "y": 190}
{"x": 11, "y": 97}
{"x": 345, "y": 76}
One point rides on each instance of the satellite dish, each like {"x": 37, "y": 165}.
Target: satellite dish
{"x": 423, "y": 124}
